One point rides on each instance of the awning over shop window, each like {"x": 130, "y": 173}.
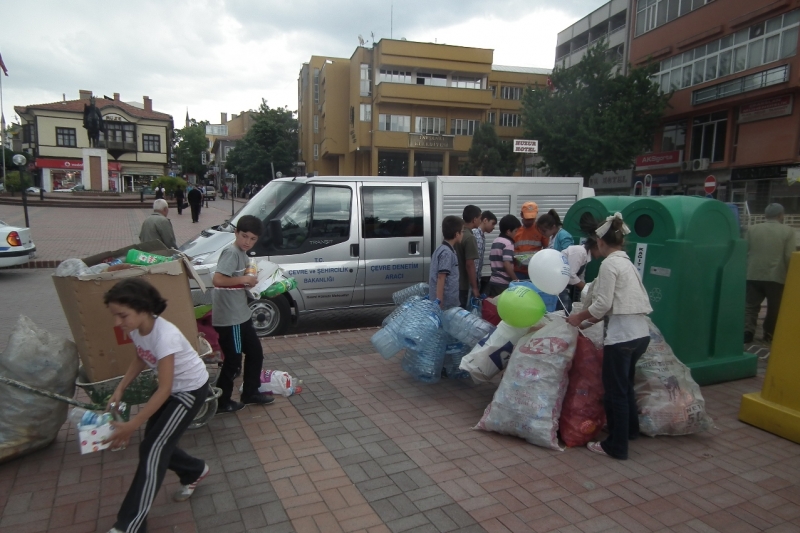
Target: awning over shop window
{"x": 142, "y": 171}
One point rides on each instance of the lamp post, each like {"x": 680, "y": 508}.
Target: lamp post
{"x": 20, "y": 161}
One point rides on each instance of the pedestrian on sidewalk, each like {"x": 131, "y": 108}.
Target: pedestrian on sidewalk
{"x": 182, "y": 390}
{"x": 195, "y": 199}
{"x": 233, "y": 322}
{"x": 769, "y": 249}
{"x": 618, "y": 293}
{"x": 467, "y": 252}
{"x": 157, "y": 227}
{"x": 444, "y": 272}
{"x": 180, "y": 197}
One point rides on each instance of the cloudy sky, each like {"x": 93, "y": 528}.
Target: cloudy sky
{"x": 226, "y": 55}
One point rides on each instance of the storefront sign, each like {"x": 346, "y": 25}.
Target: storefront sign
{"x": 770, "y": 108}
{"x": 71, "y": 164}
{"x": 421, "y": 140}
{"x": 114, "y": 117}
{"x": 611, "y": 180}
{"x": 525, "y": 146}
{"x": 659, "y": 160}
{"x": 758, "y": 173}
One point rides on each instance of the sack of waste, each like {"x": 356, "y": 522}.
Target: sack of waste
{"x": 669, "y": 400}
{"x": 527, "y": 403}
{"x": 278, "y": 383}
{"x": 29, "y": 421}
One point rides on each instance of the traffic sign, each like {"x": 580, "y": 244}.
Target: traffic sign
{"x": 710, "y": 184}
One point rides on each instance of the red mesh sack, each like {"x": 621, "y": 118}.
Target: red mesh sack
{"x": 489, "y": 311}
{"x": 582, "y": 414}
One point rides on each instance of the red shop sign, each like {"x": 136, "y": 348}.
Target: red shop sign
{"x": 659, "y": 160}
{"x": 71, "y": 164}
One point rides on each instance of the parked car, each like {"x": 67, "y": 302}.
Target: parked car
{"x": 33, "y": 190}
{"x": 16, "y": 245}
{"x": 74, "y": 188}
{"x": 211, "y": 193}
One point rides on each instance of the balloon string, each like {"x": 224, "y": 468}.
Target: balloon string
{"x": 564, "y": 307}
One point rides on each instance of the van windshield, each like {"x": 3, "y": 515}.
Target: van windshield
{"x": 264, "y": 204}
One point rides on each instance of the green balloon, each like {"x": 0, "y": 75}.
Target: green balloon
{"x": 520, "y": 307}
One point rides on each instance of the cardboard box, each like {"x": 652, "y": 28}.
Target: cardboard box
{"x": 104, "y": 350}
{"x": 91, "y": 439}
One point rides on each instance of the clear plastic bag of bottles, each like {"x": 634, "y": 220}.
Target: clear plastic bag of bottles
{"x": 420, "y": 289}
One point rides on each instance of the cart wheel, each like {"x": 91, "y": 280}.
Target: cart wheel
{"x": 205, "y": 414}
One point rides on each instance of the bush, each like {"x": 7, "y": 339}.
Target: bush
{"x": 13, "y": 182}
{"x": 169, "y": 183}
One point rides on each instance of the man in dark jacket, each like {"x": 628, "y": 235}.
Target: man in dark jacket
{"x": 195, "y": 199}
{"x": 179, "y": 198}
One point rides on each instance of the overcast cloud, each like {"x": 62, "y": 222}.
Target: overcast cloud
{"x": 214, "y": 55}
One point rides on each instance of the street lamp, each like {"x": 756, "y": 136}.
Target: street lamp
{"x": 20, "y": 161}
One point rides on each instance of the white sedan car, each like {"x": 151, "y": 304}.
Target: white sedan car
{"x": 16, "y": 246}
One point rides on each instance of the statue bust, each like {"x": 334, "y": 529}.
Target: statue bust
{"x": 93, "y": 122}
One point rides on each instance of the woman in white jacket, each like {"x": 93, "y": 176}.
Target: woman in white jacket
{"x": 619, "y": 297}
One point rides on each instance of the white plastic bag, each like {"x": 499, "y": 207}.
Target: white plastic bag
{"x": 278, "y": 383}
{"x": 669, "y": 400}
{"x": 528, "y": 401}
{"x": 491, "y": 354}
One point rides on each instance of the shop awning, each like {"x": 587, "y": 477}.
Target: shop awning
{"x": 142, "y": 171}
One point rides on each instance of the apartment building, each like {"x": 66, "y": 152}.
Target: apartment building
{"x": 133, "y": 150}
{"x": 404, "y": 108}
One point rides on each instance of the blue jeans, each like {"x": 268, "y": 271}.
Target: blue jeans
{"x": 619, "y": 401}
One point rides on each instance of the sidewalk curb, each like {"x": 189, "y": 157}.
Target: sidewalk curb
{"x": 39, "y": 263}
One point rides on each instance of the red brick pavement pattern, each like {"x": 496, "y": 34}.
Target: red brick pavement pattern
{"x": 64, "y": 232}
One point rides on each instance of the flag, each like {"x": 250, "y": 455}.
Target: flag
{"x": 3, "y": 66}
{"x": 550, "y": 83}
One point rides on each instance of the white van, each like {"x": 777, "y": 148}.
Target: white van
{"x": 354, "y": 241}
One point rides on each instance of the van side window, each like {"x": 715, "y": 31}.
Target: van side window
{"x": 319, "y": 218}
{"x": 392, "y": 212}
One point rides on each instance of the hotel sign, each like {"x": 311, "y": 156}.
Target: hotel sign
{"x": 422, "y": 140}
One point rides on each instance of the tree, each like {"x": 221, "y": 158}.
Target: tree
{"x": 190, "y": 143}
{"x": 489, "y": 155}
{"x": 591, "y": 120}
{"x": 271, "y": 140}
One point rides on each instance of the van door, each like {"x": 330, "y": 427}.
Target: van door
{"x": 318, "y": 245}
{"x": 393, "y": 228}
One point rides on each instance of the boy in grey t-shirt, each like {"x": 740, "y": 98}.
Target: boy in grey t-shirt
{"x": 443, "y": 280}
{"x": 231, "y": 319}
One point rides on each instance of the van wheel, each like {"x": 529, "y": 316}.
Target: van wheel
{"x": 270, "y": 316}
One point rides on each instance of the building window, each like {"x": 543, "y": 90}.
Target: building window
{"x": 510, "y": 120}
{"x": 437, "y": 80}
{"x": 316, "y": 152}
{"x": 430, "y": 125}
{"x": 491, "y": 117}
{"x": 763, "y": 43}
{"x": 28, "y": 135}
{"x": 493, "y": 88}
{"x": 708, "y": 136}
{"x": 66, "y": 137}
{"x": 460, "y": 126}
{"x": 395, "y": 76}
{"x": 151, "y": 143}
{"x": 365, "y": 113}
{"x": 465, "y": 82}
{"x": 674, "y": 137}
{"x": 366, "y": 80}
{"x": 651, "y": 14}
{"x": 226, "y": 152}
{"x": 511, "y": 93}
{"x": 119, "y": 134}
{"x": 316, "y": 85}
{"x": 394, "y": 122}
{"x": 316, "y": 123}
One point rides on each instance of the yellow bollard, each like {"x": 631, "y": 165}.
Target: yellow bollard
{"x": 777, "y": 407}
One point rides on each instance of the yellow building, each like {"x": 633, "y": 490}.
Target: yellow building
{"x": 133, "y": 150}
{"x": 405, "y": 108}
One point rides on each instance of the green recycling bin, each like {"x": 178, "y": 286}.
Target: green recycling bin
{"x": 599, "y": 207}
{"x": 693, "y": 264}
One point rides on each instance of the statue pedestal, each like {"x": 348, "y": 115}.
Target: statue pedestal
{"x": 95, "y": 169}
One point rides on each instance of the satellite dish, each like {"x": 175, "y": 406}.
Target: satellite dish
{"x": 361, "y": 40}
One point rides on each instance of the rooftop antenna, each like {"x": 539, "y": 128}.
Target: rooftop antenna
{"x": 360, "y": 40}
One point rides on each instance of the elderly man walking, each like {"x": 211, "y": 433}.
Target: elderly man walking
{"x": 770, "y": 247}
{"x": 157, "y": 227}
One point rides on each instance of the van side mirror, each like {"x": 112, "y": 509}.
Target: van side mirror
{"x": 276, "y": 234}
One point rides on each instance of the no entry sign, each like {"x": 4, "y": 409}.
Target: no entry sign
{"x": 710, "y": 184}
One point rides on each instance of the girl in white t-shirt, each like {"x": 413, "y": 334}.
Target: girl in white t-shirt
{"x": 618, "y": 295}
{"x": 182, "y": 390}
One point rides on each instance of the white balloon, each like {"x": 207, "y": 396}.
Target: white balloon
{"x": 549, "y": 271}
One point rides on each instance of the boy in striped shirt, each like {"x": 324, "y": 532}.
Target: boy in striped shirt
{"x": 501, "y": 256}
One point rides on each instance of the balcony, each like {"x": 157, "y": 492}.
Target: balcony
{"x": 752, "y": 82}
{"x": 406, "y": 93}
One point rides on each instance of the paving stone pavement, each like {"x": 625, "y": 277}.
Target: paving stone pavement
{"x": 364, "y": 448}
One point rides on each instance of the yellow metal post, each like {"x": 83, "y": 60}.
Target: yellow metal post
{"x": 777, "y": 407}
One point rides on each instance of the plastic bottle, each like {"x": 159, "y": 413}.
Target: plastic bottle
{"x": 138, "y": 257}
{"x": 252, "y": 268}
{"x": 279, "y": 287}
{"x": 453, "y": 353}
{"x": 420, "y": 323}
{"x": 386, "y": 343}
{"x": 465, "y": 326}
{"x": 425, "y": 364}
{"x": 420, "y": 289}
{"x": 401, "y": 309}
{"x": 83, "y": 418}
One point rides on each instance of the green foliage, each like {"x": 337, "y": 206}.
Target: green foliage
{"x": 593, "y": 120}
{"x": 271, "y": 139}
{"x": 13, "y": 182}
{"x": 169, "y": 183}
{"x": 9, "y": 156}
{"x": 190, "y": 142}
{"x": 489, "y": 155}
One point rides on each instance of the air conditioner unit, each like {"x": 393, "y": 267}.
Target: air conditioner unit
{"x": 700, "y": 164}
{"x": 686, "y": 165}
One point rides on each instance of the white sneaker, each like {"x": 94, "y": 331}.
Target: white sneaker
{"x": 115, "y": 530}
{"x": 186, "y": 491}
